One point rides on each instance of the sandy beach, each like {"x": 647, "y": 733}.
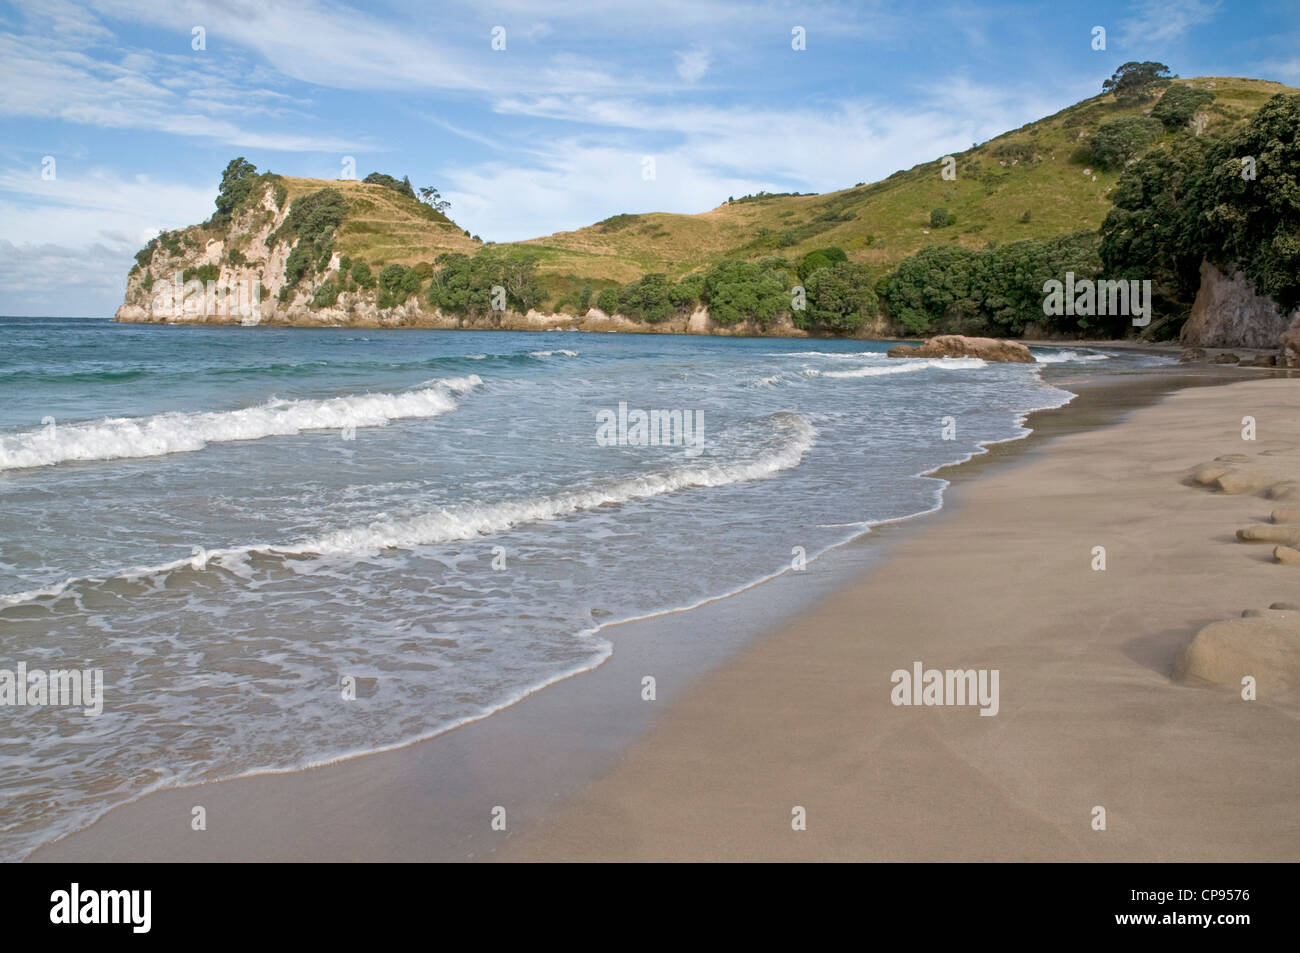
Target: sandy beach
{"x": 780, "y": 698}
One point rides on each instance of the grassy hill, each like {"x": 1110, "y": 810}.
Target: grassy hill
{"x": 349, "y": 251}
{"x": 1041, "y": 169}
{"x": 383, "y": 227}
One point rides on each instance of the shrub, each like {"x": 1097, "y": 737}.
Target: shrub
{"x": 820, "y": 258}
{"x": 841, "y": 299}
{"x": 740, "y": 290}
{"x": 203, "y": 273}
{"x": 387, "y": 181}
{"x": 607, "y": 300}
{"x": 361, "y": 275}
{"x": 583, "y": 299}
{"x": 397, "y": 283}
{"x": 1120, "y": 141}
{"x": 326, "y": 295}
{"x": 463, "y": 285}
{"x": 313, "y": 219}
{"x": 1179, "y": 104}
{"x": 647, "y": 298}
{"x": 942, "y": 218}
{"x": 686, "y": 294}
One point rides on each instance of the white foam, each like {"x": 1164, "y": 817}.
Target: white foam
{"x": 1068, "y": 356}
{"x": 846, "y": 355}
{"x": 466, "y": 522}
{"x": 116, "y": 438}
{"x": 563, "y": 352}
{"x": 904, "y": 366}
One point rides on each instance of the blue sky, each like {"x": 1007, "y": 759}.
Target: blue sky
{"x": 546, "y": 135}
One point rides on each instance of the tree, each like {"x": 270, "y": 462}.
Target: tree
{"x": 431, "y": 197}
{"x": 237, "y": 181}
{"x": 1135, "y": 83}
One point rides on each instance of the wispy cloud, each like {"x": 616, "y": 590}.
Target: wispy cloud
{"x": 692, "y": 64}
{"x": 1161, "y": 23}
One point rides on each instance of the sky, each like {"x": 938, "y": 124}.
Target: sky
{"x": 117, "y": 117}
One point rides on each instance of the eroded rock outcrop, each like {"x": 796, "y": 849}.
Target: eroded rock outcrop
{"x": 1228, "y": 312}
{"x": 958, "y": 345}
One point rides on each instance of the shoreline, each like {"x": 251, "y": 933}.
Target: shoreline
{"x": 544, "y": 741}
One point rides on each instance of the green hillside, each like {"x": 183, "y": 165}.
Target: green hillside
{"x": 1034, "y": 182}
{"x": 958, "y": 243}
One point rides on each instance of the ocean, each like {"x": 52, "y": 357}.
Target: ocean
{"x": 282, "y": 547}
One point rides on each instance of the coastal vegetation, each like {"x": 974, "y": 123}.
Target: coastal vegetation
{"x": 1141, "y": 182}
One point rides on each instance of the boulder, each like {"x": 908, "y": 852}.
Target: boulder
{"x": 958, "y": 345}
{"x": 1228, "y": 358}
{"x": 1192, "y": 354}
{"x": 1289, "y": 342}
{"x": 1265, "y": 647}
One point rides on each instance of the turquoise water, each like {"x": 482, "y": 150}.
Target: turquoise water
{"x": 231, "y": 521}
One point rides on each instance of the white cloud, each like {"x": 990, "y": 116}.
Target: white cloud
{"x": 60, "y": 280}
{"x": 704, "y": 153}
{"x": 692, "y": 64}
{"x": 1157, "y": 24}
{"x": 39, "y": 79}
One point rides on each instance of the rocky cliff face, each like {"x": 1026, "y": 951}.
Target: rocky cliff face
{"x": 234, "y": 274}
{"x": 1229, "y": 313}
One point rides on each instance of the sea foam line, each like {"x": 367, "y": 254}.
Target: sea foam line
{"x": 903, "y": 367}
{"x": 116, "y": 438}
{"x": 449, "y": 524}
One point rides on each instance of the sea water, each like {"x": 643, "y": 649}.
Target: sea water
{"x": 283, "y": 546}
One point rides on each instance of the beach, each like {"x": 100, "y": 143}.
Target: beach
{"x": 779, "y": 698}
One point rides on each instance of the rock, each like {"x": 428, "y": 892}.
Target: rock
{"x": 958, "y": 345}
{"x": 1286, "y": 606}
{"x": 1192, "y": 354}
{"x": 1287, "y": 555}
{"x": 1253, "y": 613}
{"x": 1228, "y": 358}
{"x": 1285, "y": 514}
{"x": 1264, "y": 360}
{"x": 1229, "y": 313}
{"x": 1269, "y": 533}
{"x": 1289, "y": 342}
{"x": 1265, "y": 648}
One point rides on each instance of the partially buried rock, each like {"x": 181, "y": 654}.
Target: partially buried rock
{"x": 1265, "y": 648}
{"x": 1228, "y": 358}
{"x": 958, "y": 345}
{"x": 1286, "y": 555}
{"x": 1270, "y": 533}
{"x": 1192, "y": 354}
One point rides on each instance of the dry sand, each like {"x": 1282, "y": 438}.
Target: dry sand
{"x": 1090, "y": 714}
